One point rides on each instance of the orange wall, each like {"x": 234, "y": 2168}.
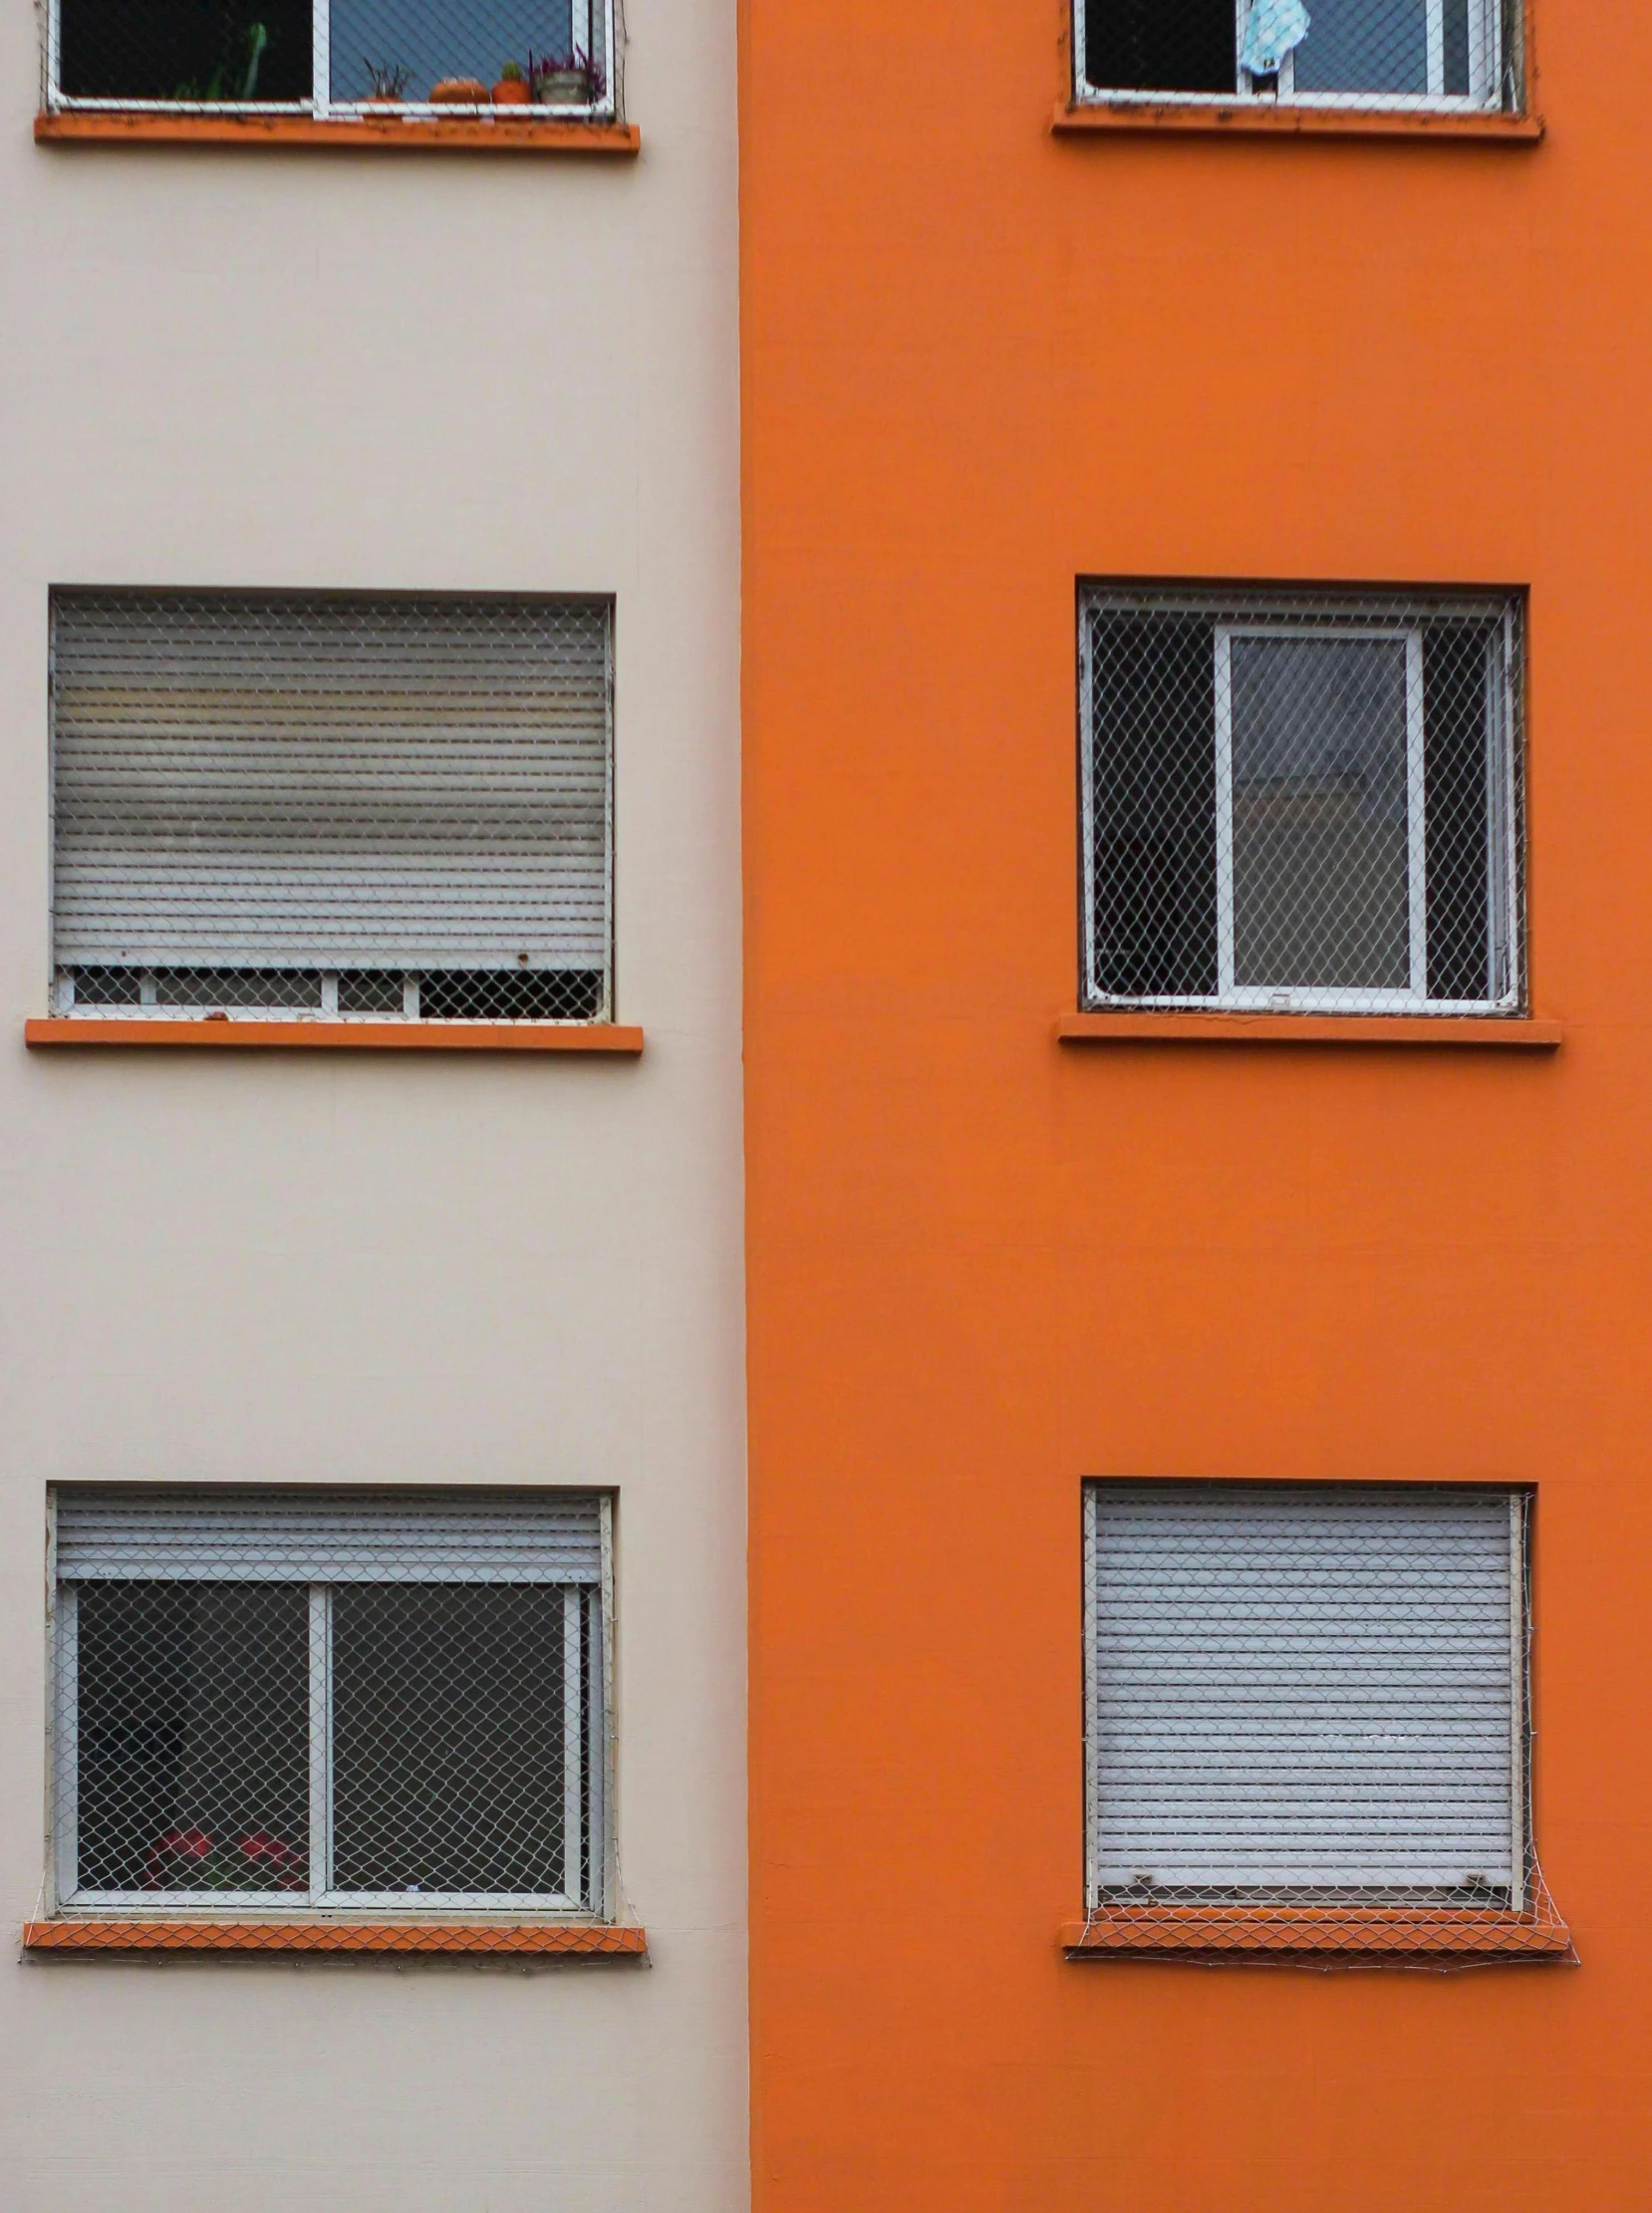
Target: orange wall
{"x": 978, "y": 363}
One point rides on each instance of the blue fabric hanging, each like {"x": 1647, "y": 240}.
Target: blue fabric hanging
{"x": 1273, "y": 28}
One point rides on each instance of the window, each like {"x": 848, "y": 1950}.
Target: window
{"x": 292, "y": 1699}
{"x": 1300, "y": 802}
{"x": 1306, "y": 1694}
{"x": 289, "y": 805}
{"x": 341, "y": 58}
{"x": 1376, "y": 54}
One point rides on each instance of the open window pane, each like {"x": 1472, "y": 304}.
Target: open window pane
{"x": 193, "y": 1735}
{"x": 1302, "y": 802}
{"x": 1345, "y": 53}
{"x": 1320, "y": 825}
{"x": 500, "y": 56}
{"x": 289, "y": 804}
{"x": 313, "y": 1695}
{"x": 448, "y": 1751}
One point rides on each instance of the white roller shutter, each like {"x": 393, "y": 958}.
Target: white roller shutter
{"x": 328, "y": 1536}
{"x": 1305, "y": 1688}
{"x": 247, "y": 780}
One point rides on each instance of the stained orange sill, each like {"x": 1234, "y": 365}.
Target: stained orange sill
{"x": 1259, "y": 119}
{"x": 437, "y": 1037}
{"x": 1463, "y": 1933}
{"x": 572, "y": 1940}
{"x": 418, "y": 135}
{"x": 1309, "y": 1029}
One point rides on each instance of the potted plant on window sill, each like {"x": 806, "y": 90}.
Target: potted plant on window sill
{"x": 387, "y": 86}
{"x": 512, "y": 89}
{"x": 565, "y": 80}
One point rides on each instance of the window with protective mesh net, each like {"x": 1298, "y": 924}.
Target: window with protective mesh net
{"x": 297, "y": 805}
{"x": 329, "y": 1699}
{"x": 1445, "y": 55}
{"x": 1307, "y": 1702}
{"x": 388, "y": 60}
{"x": 1302, "y": 802}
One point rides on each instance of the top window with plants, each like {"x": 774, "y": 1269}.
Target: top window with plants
{"x": 1447, "y": 56}
{"x": 339, "y": 60}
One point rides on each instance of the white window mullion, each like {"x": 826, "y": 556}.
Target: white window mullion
{"x": 1436, "y": 48}
{"x": 321, "y": 1740}
{"x": 1225, "y": 813}
{"x": 1519, "y": 1617}
{"x": 321, "y": 56}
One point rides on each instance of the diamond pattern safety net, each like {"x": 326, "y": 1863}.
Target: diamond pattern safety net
{"x": 304, "y": 806}
{"x": 1356, "y": 54}
{"x": 1302, "y": 802}
{"x": 384, "y": 60}
{"x": 326, "y": 1700}
{"x": 1308, "y": 1720}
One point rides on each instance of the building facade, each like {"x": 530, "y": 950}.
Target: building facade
{"x": 1195, "y": 1228}
{"x": 372, "y": 1495}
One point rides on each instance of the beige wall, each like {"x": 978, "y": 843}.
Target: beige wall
{"x": 412, "y": 372}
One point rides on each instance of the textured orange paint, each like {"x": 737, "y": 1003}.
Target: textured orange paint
{"x": 575, "y": 1940}
{"x": 979, "y": 362}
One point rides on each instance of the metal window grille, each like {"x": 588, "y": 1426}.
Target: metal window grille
{"x": 1306, "y": 1695}
{"x": 392, "y": 60}
{"x": 1302, "y": 802}
{"x": 1433, "y": 55}
{"x": 302, "y": 805}
{"x": 324, "y": 1699}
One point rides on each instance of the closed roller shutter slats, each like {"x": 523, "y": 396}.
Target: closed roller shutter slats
{"x": 311, "y": 783}
{"x": 328, "y": 1536}
{"x": 1304, "y": 1690}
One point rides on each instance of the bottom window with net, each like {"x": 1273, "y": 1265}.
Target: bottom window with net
{"x": 1308, "y": 1702}
{"x": 329, "y": 1700}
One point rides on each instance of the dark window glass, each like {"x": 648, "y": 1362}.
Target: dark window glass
{"x": 1151, "y": 45}
{"x": 448, "y": 1747}
{"x": 195, "y": 50}
{"x": 193, "y": 1748}
{"x": 1153, "y": 762}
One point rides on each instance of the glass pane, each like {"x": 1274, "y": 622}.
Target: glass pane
{"x": 1364, "y": 46}
{"x": 448, "y": 1751}
{"x": 201, "y": 50}
{"x": 408, "y": 47}
{"x": 1321, "y": 891}
{"x": 192, "y": 1740}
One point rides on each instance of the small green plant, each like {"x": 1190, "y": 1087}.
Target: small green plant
{"x": 225, "y": 83}
{"x": 385, "y": 80}
{"x": 511, "y": 74}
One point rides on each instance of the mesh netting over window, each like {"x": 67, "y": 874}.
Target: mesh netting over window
{"x": 302, "y": 805}
{"x": 1308, "y": 1718}
{"x": 1357, "y": 54}
{"x": 346, "y": 58}
{"x": 328, "y": 1700}
{"x": 1302, "y": 802}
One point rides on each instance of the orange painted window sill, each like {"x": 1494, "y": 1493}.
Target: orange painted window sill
{"x": 1307, "y": 1029}
{"x": 1414, "y": 1932}
{"x": 569, "y": 1940}
{"x": 318, "y": 1036}
{"x": 415, "y": 135}
{"x": 1234, "y": 118}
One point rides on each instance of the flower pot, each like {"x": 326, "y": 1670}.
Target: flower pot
{"x": 459, "y": 91}
{"x": 563, "y": 87}
{"x": 511, "y": 92}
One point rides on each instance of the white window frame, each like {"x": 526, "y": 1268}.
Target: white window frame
{"x": 1520, "y": 1725}
{"x": 1502, "y": 872}
{"x": 588, "y": 1787}
{"x": 1296, "y": 1000}
{"x": 321, "y": 104}
{"x": 1487, "y": 64}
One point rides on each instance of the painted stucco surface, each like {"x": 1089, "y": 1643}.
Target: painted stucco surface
{"x": 447, "y": 374}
